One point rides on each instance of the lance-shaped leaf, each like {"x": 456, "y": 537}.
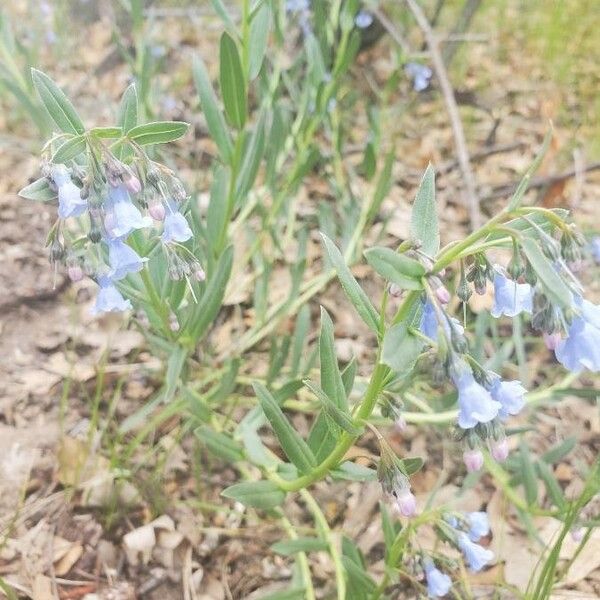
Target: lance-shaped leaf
{"x": 336, "y": 414}
{"x": 554, "y": 286}
{"x": 219, "y": 444}
{"x": 424, "y": 227}
{"x": 259, "y": 34}
{"x": 353, "y": 291}
{"x": 39, "y": 191}
{"x": 405, "y": 272}
{"x": 302, "y": 544}
{"x": 257, "y": 494}
{"x": 400, "y": 348}
{"x": 233, "y": 84}
{"x": 128, "y": 109}
{"x": 295, "y": 448}
{"x": 57, "y": 104}
{"x": 69, "y": 149}
{"x": 159, "y": 132}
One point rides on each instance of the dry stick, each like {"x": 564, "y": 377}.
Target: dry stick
{"x": 452, "y": 108}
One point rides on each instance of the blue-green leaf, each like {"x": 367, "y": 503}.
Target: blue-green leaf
{"x": 39, "y": 190}
{"x": 233, "y": 84}
{"x": 257, "y": 494}
{"x": 400, "y": 348}
{"x": 159, "y": 132}
{"x": 301, "y": 544}
{"x": 397, "y": 268}
{"x": 69, "y": 149}
{"x": 259, "y": 34}
{"x": 424, "y": 227}
{"x": 128, "y": 109}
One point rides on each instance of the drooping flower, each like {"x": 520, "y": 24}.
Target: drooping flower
{"x": 363, "y": 19}
{"x": 581, "y": 348}
{"x": 511, "y": 298}
{"x": 122, "y": 216}
{"x": 176, "y": 228}
{"x": 479, "y": 525}
{"x": 70, "y": 202}
{"x": 476, "y": 556}
{"x": 552, "y": 340}
{"x": 473, "y": 459}
{"x": 396, "y": 487}
{"x": 438, "y": 583}
{"x": 123, "y": 259}
{"x": 420, "y": 75}
{"x": 500, "y": 450}
{"x": 510, "y": 395}
{"x": 595, "y": 248}
{"x": 109, "y": 299}
{"x": 475, "y": 403}
{"x": 429, "y": 323}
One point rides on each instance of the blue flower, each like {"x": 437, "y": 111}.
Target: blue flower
{"x": 70, "y": 202}
{"x": 476, "y": 556}
{"x": 475, "y": 403}
{"x": 420, "y": 75}
{"x": 109, "y": 298}
{"x": 438, "y": 583}
{"x": 479, "y": 525}
{"x": 123, "y": 259}
{"x": 581, "y": 348}
{"x": 297, "y": 5}
{"x": 511, "y": 298}
{"x": 429, "y": 322}
{"x": 122, "y": 216}
{"x": 510, "y": 394}
{"x": 595, "y": 248}
{"x": 176, "y": 227}
{"x": 589, "y": 311}
{"x": 363, "y": 19}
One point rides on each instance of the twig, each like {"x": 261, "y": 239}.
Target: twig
{"x": 480, "y": 155}
{"x": 392, "y": 30}
{"x": 452, "y": 108}
{"x": 462, "y": 24}
{"x": 507, "y": 189}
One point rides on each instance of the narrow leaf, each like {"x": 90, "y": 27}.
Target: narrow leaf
{"x": 128, "y": 109}
{"x": 341, "y": 418}
{"x": 257, "y": 494}
{"x": 397, "y": 268}
{"x": 69, "y": 150}
{"x": 159, "y": 132}
{"x": 39, "y": 191}
{"x": 219, "y": 444}
{"x": 259, "y": 34}
{"x": 424, "y": 225}
{"x": 400, "y": 348}
{"x": 233, "y": 85}
{"x": 302, "y": 544}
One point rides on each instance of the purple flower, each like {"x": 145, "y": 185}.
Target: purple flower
{"x": 475, "y": 403}
{"x": 109, "y": 299}
{"x": 123, "y": 259}
{"x": 581, "y": 349}
{"x": 479, "y": 525}
{"x": 70, "y": 202}
{"x": 420, "y": 75}
{"x": 476, "y": 556}
{"x": 176, "y": 227}
{"x": 473, "y": 459}
{"x": 438, "y": 583}
{"x": 122, "y": 215}
{"x": 510, "y": 395}
{"x": 595, "y": 248}
{"x": 511, "y": 298}
{"x": 363, "y": 19}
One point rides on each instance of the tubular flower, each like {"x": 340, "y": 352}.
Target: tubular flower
{"x": 438, "y": 583}
{"x": 123, "y": 259}
{"x": 109, "y": 298}
{"x": 475, "y": 403}
{"x": 511, "y": 298}
{"x": 70, "y": 202}
{"x": 510, "y": 395}
{"x": 476, "y": 556}
{"x": 122, "y": 216}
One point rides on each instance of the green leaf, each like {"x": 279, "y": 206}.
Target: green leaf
{"x": 212, "y": 113}
{"x": 175, "y": 365}
{"x": 159, "y": 132}
{"x": 552, "y": 486}
{"x": 257, "y": 494}
{"x": 384, "y": 184}
{"x": 336, "y": 414}
{"x": 128, "y": 109}
{"x": 292, "y": 444}
{"x": 70, "y": 149}
{"x": 348, "y": 376}
{"x": 358, "y": 578}
{"x": 397, "y": 268}
{"x": 252, "y": 156}
{"x": 301, "y": 544}
{"x": 559, "y": 451}
{"x": 353, "y": 291}
{"x": 353, "y": 472}
{"x": 517, "y": 198}
{"x": 411, "y": 465}
{"x": 424, "y": 227}
{"x": 217, "y": 207}
{"x": 553, "y": 284}
{"x": 106, "y": 132}
{"x": 233, "y": 85}
{"x": 259, "y": 35}
{"x": 57, "y": 104}
{"x": 219, "y": 444}
{"x": 400, "y": 348}
{"x": 528, "y": 474}
{"x": 39, "y": 191}
{"x": 293, "y": 593}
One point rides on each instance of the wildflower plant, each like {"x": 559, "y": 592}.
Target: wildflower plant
{"x": 126, "y": 220}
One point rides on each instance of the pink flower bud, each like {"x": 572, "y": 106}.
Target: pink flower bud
{"x": 577, "y": 534}
{"x": 473, "y": 460}
{"x": 173, "y": 323}
{"x": 552, "y": 340}
{"x": 400, "y": 424}
{"x": 406, "y": 503}
{"x": 75, "y": 273}
{"x": 157, "y": 211}
{"x": 199, "y": 274}
{"x": 500, "y": 450}
{"x": 395, "y": 290}
{"x": 132, "y": 183}
{"x": 442, "y": 294}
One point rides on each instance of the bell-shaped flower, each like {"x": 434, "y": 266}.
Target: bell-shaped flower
{"x": 123, "y": 259}
{"x": 510, "y": 394}
{"x": 122, "y": 216}
{"x": 109, "y": 299}
{"x": 476, "y": 556}
{"x": 176, "y": 228}
{"x": 595, "y": 248}
{"x": 438, "y": 583}
{"x": 479, "y": 525}
{"x": 429, "y": 322}
{"x": 511, "y": 298}
{"x": 581, "y": 348}
{"x": 475, "y": 403}
{"x": 70, "y": 202}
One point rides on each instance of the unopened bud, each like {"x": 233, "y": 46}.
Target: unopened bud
{"x": 395, "y": 290}
{"x": 157, "y": 211}
{"x": 57, "y": 251}
{"x": 179, "y": 193}
{"x": 577, "y": 534}
{"x": 473, "y": 459}
{"x": 405, "y": 503}
{"x": 199, "y": 274}
{"x": 75, "y": 272}
{"x": 500, "y": 450}
{"x": 442, "y": 294}
{"x": 552, "y": 340}
{"x": 173, "y": 323}
{"x": 132, "y": 183}
{"x": 463, "y": 291}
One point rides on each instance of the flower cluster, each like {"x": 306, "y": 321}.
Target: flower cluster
{"x": 466, "y": 530}
{"x": 109, "y": 202}
{"x": 419, "y": 74}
